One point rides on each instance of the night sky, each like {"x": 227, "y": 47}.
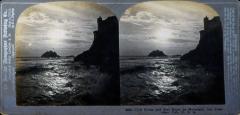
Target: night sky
{"x": 65, "y": 27}
{"x": 170, "y": 26}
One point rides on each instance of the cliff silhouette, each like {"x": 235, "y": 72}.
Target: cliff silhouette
{"x": 50, "y": 54}
{"x": 209, "y": 51}
{"x": 104, "y": 53}
{"x": 157, "y": 53}
{"x": 104, "y": 49}
{"x": 209, "y": 54}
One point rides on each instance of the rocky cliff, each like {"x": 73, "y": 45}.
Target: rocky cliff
{"x": 104, "y": 49}
{"x": 209, "y": 51}
{"x": 209, "y": 54}
{"x": 104, "y": 53}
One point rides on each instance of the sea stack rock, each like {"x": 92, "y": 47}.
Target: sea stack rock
{"x": 157, "y": 53}
{"x": 50, "y": 54}
{"x": 105, "y": 47}
{"x": 209, "y": 51}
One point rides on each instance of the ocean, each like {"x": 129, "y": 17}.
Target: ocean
{"x": 165, "y": 81}
{"x": 143, "y": 81}
{"x": 56, "y": 81}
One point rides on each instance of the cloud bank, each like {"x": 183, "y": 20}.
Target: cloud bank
{"x": 65, "y": 27}
{"x": 170, "y": 26}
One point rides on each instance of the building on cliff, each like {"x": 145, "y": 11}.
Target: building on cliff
{"x": 209, "y": 54}
{"x": 105, "y": 47}
{"x": 209, "y": 51}
{"x": 104, "y": 53}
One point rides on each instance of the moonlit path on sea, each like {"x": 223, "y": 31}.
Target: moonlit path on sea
{"x": 160, "y": 80}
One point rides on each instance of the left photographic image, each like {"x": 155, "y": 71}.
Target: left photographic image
{"x": 67, "y": 53}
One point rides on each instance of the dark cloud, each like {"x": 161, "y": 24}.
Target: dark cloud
{"x": 175, "y": 40}
{"x": 76, "y": 41}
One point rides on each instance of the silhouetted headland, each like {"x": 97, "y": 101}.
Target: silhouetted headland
{"x": 104, "y": 49}
{"x": 50, "y": 54}
{"x": 157, "y": 53}
{"x": 104, "y": 53}
{"x": 209, "y": 51}
{"x": 209, "y": 54}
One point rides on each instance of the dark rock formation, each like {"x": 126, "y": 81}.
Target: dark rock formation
{"x": 105, "y": 47}
{"x": 209, "y": 54}
{"x": 104, "y": 53}
{"x": 209, "y": 51}
{"x": 157, "y": 53}
{"x": 50, "y": 54}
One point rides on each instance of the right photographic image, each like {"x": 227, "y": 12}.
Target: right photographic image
{"x": 171, "y": 53}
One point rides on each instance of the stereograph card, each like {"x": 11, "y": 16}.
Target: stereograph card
{"x": 111, "y": 57}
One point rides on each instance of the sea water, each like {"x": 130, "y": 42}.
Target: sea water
{"x": 55, "y": 81}
{"x": 162, "y": 80}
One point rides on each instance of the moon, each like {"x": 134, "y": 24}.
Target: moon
{"x": 162, "y": 34}
{"x": 56, "y": 35}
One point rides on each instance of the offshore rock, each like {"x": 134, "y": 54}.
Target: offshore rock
{"x": 157, "y": 53}
{"x": 50, "y": 54}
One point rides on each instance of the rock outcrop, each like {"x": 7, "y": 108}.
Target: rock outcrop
{"x": 50, "y": 54}
{"x": 209, "y": 54}
{"x": 157, "y": 53}
{"x": 104, "y": 53}
{"x": 105, "y": 47}
{"x": 209, "y": 51}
